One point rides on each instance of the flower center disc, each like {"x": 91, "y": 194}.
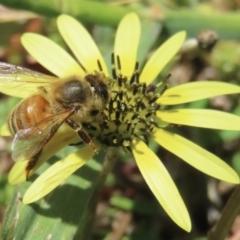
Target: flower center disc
{"x": 130, "y": 113}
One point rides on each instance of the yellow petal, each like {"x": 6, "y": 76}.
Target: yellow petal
{"x": 18, "y": 173}
{"x": 161, "y": 184}
{"x": 81, "y": 43}
{"x": 57, "y": 173}
{"x": 62, "y": 138}
{"x": 126, "y": 43}
{"x": 50, "y": 55}
{"x": 161, "y": 57}
{"x": 4, "y": 131}
{"x": 201, "y": 118}
{"x": 196, "y": 156}
{"x": 195, "y": 91}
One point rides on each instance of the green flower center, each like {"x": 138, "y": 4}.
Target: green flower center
{"x": 130, "y": 113}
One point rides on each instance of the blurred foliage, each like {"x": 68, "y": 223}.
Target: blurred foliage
{"x": 126, "y": 208}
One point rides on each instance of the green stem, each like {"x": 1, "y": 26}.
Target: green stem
{"x": 85, "y": 226}
{"x": 229, "y": 213}
{"x": 89, "y": 11}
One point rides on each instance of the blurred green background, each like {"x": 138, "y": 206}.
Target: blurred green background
{"x": 126, "y": 208}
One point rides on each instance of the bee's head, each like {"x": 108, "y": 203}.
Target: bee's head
{"x": 100, "y": 88}
{"x": 72, "y": 92}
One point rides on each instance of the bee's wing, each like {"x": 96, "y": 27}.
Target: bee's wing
{"x": 19, "y": 81}
{"x": 27, "y": 143}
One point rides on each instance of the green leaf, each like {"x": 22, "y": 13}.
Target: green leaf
{"x": 223, "y": 24}
{"x": 139, "y": 206}
{"x": 236, "y": 162}
{"x": 57, "y": 216}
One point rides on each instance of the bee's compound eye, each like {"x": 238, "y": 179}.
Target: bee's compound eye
{"x": 98, "y": 87}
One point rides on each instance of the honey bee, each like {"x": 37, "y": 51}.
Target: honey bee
{"x": 36, "y": 119}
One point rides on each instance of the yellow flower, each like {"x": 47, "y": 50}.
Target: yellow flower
{"x": 136, "y": 112}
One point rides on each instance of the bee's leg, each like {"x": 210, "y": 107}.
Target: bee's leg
{"x": 82, "y": 134}
{"x": 31, "y": 164}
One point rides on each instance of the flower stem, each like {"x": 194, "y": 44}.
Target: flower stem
{"x": 84, "y": 230}
{"x": 229, "y": 213}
